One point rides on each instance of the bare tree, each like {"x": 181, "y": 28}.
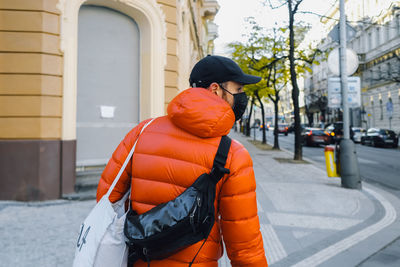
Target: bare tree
{"x": 295, "y": 56}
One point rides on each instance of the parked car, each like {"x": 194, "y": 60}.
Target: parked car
{"x": 335, "y": 130}
{"x": 315, "y": 137}
{"x": 329, "y": 129}
{"x": 283, "y": 128}
{"x": 256, "y": 124}
{"x": 262, "y": 126}
{"x": 380, "y": 137}
{"x": 291, "y": 127}
{"x": 358, "y": 132}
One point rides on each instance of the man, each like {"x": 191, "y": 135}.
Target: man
{"x": 175, "y": 149}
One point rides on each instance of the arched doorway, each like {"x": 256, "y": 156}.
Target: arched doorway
{"x": 107, "y": 83}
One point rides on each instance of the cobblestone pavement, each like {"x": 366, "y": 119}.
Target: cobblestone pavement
{"x": 40, "y": 234}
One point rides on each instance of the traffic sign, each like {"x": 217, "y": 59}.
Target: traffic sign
{"x": 351, "y": 61}
{"x": 335, "y": 92}
{"x": 335, "y": 33}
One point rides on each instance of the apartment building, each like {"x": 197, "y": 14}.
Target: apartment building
{"x": 377, "y": 44}
{"x": 77, "y": 75}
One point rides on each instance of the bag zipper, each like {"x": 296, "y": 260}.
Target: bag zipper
{"x": 165, "y": 232}
{"x": 191, "y": 220}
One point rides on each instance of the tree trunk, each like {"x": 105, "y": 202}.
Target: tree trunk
{"x": 276, "y": 107}
{"x": 298, "y": 153}
{"x": 247, "y": 130}
{"x": 264, "y": 138}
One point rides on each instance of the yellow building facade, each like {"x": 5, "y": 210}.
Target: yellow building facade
{"x": 45, "y": 69}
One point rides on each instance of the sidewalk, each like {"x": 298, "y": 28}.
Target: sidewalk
{"x": 307, "y": 219}
{"x": 40, "y": 234}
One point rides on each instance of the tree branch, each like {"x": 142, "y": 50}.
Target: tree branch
{"x": 276, "y": 7}
{"x": 296, "y": 6}
{"x": 272, "y": 99}
{"x": 316, "y": 14}
{"x": 267, "y": 66}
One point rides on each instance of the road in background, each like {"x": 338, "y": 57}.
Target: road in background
{"x": 377, "y": 165}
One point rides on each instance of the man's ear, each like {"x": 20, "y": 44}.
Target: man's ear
{"x": 213, "y": 88}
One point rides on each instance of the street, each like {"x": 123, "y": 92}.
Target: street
{"x": 377, "y": 165}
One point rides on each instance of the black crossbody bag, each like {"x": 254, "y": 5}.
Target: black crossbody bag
{"x": 179, "y": 223}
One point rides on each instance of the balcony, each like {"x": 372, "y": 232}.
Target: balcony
{"x": 209, "y": 9}
{"x": 212, "y": 31}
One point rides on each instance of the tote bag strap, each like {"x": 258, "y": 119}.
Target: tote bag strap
{"x": 126, "y": 161}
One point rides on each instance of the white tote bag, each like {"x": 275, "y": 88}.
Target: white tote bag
{"x": 101, "y": 240}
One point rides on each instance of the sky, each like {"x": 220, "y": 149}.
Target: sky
{"x": 232, "y": 13}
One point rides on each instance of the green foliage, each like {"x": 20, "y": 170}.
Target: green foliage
{"x": 265, "y": 54}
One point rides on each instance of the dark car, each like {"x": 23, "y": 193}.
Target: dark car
{"x": 315, "y": 137}
{"x": 291, "y": 127}
{"x": 335, "y": 130}
{"x": 256, "y": 124}
{"x": 283, "y": 128}
{"x": 380, "y": 137}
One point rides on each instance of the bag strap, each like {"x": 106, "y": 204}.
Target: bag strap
{"x": 218, "y": 170}
{"x": 126, "y": 161}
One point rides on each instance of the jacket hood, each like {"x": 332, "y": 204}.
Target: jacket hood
{"x": 202, "y": 113}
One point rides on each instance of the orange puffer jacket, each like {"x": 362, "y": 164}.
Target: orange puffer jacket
{"x": 171, "y": 153}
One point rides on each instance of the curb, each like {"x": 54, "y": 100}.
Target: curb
{"x": 346, "y": 243}
{"x": 390, "y": 216}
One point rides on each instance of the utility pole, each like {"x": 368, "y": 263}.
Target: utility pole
{"x": 349, "y": 170}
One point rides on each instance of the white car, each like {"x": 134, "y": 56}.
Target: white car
{"x": 358, "y": 132}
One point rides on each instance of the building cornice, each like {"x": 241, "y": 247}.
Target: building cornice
{"x": 209, "y": 9}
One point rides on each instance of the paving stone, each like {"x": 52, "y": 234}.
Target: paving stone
{"x": 301, "y": 212}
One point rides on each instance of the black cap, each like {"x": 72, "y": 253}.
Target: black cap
{"x": 218, "y": 69}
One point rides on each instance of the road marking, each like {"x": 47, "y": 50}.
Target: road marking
{"x": 311, "y": 221}
{"x": 329, "y": 252}
{"x": 274, "y": 250}
{"x": 259, "y": 207}
{"x": 300, "y": 234}
{"x": 357, "y": 209}
{"x": 366, "y": 161}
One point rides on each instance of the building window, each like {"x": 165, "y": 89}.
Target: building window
{"x": 387, "y": 31}
{"x": 368, "y": 77}
{"x": 399, "y": 97}
{"x": 379, "y": 74}
{"x": 372, "y": 111}
{"x": 369, "y": 41}
{"x": 398, "y": 23}
{"x": 375, "y": 75}
{"x": 378, "y": 36}
{"x": 381, "y": 106}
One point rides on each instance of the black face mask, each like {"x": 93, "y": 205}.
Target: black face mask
{"x": 239, "y": 103}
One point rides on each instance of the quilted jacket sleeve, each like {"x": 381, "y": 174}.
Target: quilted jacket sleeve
{"x": 238, "y": 208}
{"x": 114, "y": 165}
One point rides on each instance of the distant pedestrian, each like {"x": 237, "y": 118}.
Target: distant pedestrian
{"x": 175, "y": 149}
